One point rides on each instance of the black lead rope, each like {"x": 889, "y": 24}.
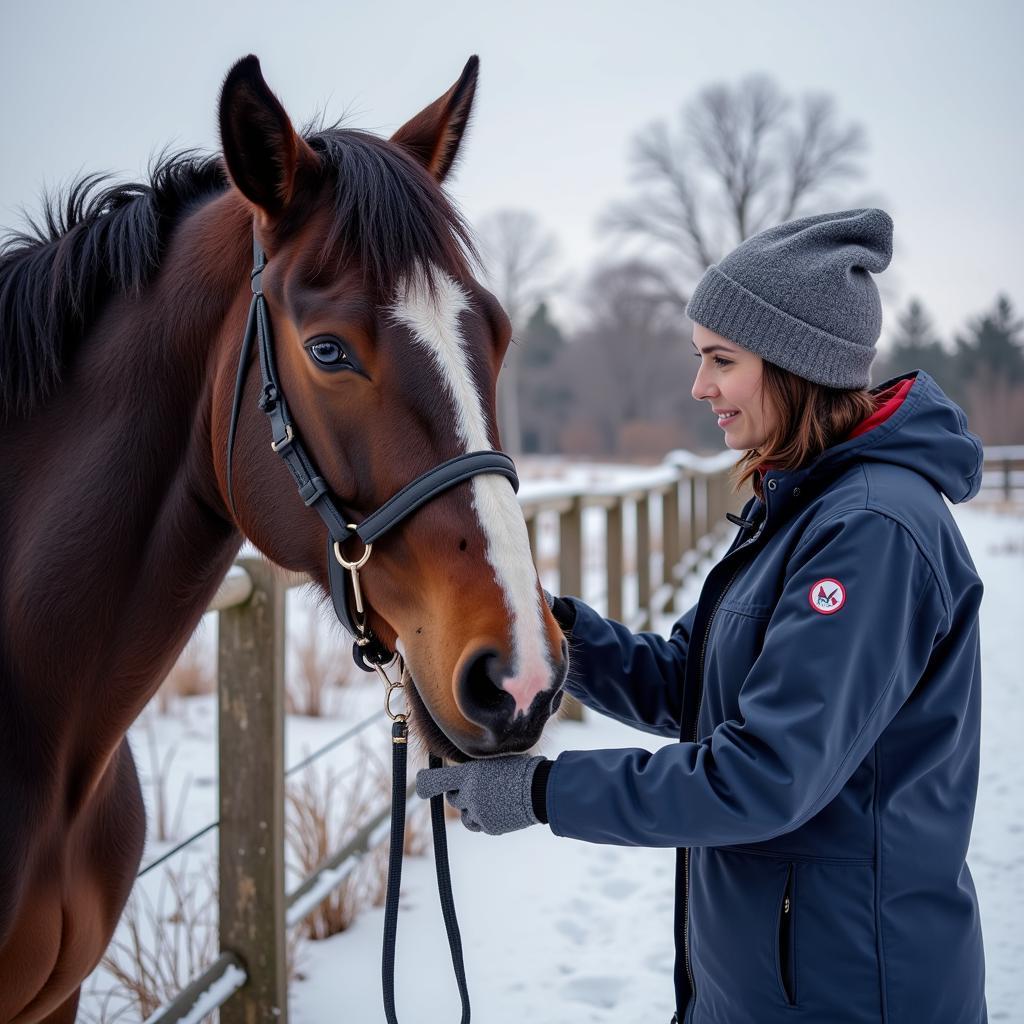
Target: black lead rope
{"x": 444, "y": 890}
{"x": 399, "y": 746}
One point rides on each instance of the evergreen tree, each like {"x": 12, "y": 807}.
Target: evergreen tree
{"x": 544, "y": 395}
{"x": 915, "y": 346}
{"x": 914, "y": 328}
{"x": 542, "y": 339}
{"x": 990, "y": 361}
{"x": 993, "y": 348}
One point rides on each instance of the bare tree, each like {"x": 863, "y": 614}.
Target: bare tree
{"x": 519, "y": 258}
{"x": 628, "y": 365}
{"x": 742, "y": 158}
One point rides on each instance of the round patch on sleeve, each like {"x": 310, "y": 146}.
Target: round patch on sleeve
{"x": 827, "y": 596}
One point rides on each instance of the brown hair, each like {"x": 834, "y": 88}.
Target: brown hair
{"x": 811, "y": 418}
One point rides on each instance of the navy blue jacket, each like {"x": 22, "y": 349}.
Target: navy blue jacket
{"x": 826, "y": 694}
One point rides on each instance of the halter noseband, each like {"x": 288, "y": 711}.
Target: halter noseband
{"x": 368, "y": 650}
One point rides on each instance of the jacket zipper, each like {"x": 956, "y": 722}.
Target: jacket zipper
{"x": 696, "y": 720}
{"x": 686, "y": 852}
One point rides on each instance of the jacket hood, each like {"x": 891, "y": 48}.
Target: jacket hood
{"x": 926, "y": 432}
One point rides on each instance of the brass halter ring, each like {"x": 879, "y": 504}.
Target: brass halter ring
{"x": 351, "y": 566}
{"x": 353, "y": 569}
{"x": 391, "y": 686}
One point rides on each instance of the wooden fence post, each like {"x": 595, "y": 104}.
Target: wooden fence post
{"x": 613, "y": 559}
{"x": 570, "y": 549}
{"x": 643, "y": 559}
{"x": 671, "y": 551}
{"x": 250, "y": 671}
{"x": 570, "y": 577}
{"x": 692, "y": 529}
{"x": 714, "y": 501}
{"x": 531, "y": 534}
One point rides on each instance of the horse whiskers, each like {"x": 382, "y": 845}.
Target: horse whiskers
{"x": 425, "y": 733}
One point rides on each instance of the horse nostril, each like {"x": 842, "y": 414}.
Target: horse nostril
{"x": 480, "y": 682}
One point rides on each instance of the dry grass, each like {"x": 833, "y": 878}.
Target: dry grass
{"x": 324, "y": 813}
{"x": 311, "y": 833}
{"x": 323, "y": 664}
{"x": 191, "y": 676}
{"x": 159, "y": 947}
{"x": 159, "y": 770}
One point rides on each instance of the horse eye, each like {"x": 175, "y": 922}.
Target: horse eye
{"x": 328, "y": 352}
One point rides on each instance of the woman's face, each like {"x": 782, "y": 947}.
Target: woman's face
{"x": 729, "y": 378}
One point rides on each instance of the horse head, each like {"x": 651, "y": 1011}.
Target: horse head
{"x": 388, "y": 351}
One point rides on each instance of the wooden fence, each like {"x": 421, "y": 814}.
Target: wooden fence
{"x": 1002, "y": 478}
{"x": 678, "y": 510}
{"x": 678, "y": 513}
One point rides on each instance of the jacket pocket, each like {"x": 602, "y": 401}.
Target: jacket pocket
{"x": 735, "y": 902}
{"x": 753, "y": 966}
{"x": 785, "y": 945}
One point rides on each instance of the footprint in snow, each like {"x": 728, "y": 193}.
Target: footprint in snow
{"x": 602, "y": 992}
{"x": 581, "y": 907}
{"x": 619, "y": 888}
{"x": 572, "y": 930}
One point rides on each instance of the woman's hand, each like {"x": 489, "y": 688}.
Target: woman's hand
{"x": 493, "y": 794}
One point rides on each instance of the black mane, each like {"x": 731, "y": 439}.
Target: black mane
{"x": 98, "y": 240}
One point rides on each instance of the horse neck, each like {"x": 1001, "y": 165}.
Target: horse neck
{"x": 116, "y": 535}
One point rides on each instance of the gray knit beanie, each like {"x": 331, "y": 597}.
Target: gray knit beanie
{"x": 801, "y": 295}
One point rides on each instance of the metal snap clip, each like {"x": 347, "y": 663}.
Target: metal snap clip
{"x": 391, "y": 686}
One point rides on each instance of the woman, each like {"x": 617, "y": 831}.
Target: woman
{"x": 825, "y": 689}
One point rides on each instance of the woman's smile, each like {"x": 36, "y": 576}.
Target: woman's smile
{"x": 728, "y": 372}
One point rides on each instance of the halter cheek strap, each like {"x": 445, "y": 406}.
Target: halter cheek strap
{"x": 368, "y": 650}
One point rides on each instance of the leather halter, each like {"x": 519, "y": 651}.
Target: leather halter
{"x": 368, "y": 651}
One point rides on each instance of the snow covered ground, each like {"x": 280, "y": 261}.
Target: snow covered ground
{"x": 558, "y": 930}
{"x": 561, "y": 931}
{"x": 996, "y": 855}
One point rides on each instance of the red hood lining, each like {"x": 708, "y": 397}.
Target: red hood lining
{"x": 886, "y": 403}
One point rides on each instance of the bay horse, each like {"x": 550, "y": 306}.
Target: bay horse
{"x": 121, "y": 324}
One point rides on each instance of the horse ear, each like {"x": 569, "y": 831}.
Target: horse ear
{"x": 261, "y": 148}
{"x": 434, "y": 134}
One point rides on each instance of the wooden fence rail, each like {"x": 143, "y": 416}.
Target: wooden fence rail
{"x": 1002, "y": 478}
{"x": 248, "y": 981}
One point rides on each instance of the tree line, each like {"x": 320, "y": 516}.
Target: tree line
{"x": 620, "y": 386}
{"x": 739, "y": 158}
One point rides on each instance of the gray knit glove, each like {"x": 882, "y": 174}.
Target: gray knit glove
{"x": 493, "y": 794}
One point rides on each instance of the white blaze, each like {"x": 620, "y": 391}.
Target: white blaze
{"x": 433, "y": 321}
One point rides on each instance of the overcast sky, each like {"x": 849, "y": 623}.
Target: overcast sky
{"x": 936, "y": 85}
